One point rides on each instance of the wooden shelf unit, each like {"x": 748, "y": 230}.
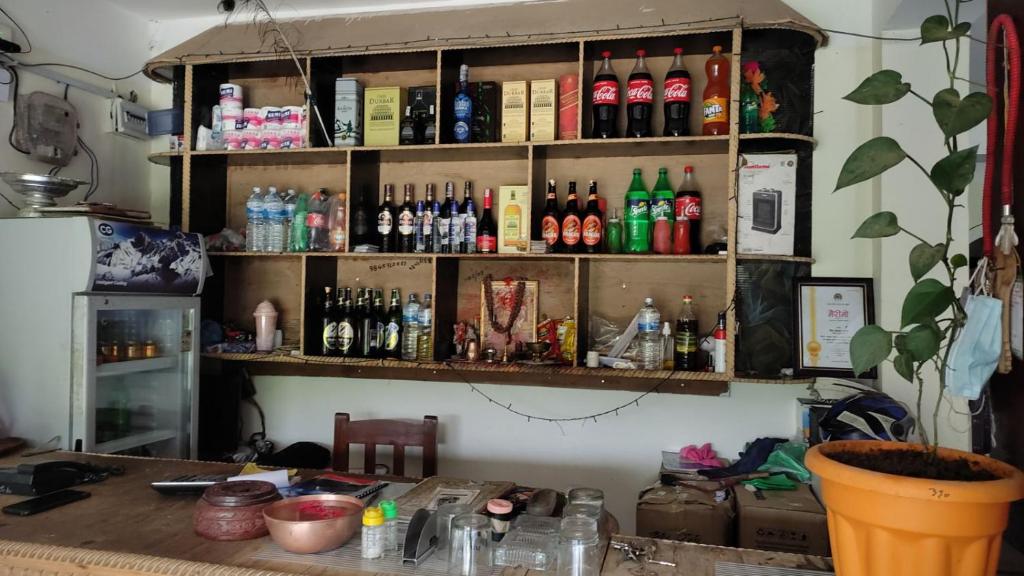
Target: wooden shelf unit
{"x": 215, "y": 185}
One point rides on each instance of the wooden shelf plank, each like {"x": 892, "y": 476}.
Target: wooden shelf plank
{"x": 705, "y": 383}
{"x": 781, "y": 136}
{"x": 775, "y": 257}
{"x": 164, "y": 158}
{"x": 690, "y": 258}
{"x": 774, "y": 380}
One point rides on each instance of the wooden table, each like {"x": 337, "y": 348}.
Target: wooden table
{"x": 128, "y": 528}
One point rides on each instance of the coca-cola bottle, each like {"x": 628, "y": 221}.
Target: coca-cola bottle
{"x": 606, "y": 99}
{"x": 688, "y": 206}
{"x": 677, "y": 98}
{"x": 639, "y": 99}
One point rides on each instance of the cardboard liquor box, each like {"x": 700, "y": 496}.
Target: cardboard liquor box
{"x": 348, "y": 112}
{"x": 782, "y": 521}
{"x": 515, "y": 111}
{"x": 514, "y": 219}
{"x": 485, "y": 111}
{"x": 543, "y": 110}
{"x": 382, "y": 116}
{"x": 767, "y": 199}
{"x": 686, "y": 515}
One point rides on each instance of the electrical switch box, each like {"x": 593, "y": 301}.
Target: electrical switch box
{"x": 129, "y": 119}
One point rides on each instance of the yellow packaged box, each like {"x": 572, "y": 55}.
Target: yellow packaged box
{"x": 382, "y": 116}
{"x": 543, "y": 111}
{"x": 514, "y": 219}
{"x": 514, "y": 111}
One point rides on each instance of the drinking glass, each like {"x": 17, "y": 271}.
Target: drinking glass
{"x": 445, "y": 513}
{"x": 469, "y": 551}
{"x": 578, "y": 548}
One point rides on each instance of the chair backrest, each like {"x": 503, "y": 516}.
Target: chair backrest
{"x": 396, "y": 433}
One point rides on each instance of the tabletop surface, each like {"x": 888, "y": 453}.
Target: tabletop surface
{"x": 125, "y": 515}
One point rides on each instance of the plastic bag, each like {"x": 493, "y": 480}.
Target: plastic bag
{"x": 788, "y": 458}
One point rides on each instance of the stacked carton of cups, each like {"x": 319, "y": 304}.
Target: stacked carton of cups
{"x": 231, "y": 115}
{"x": 269, "y": 127}
{"x": 293, "y": 126}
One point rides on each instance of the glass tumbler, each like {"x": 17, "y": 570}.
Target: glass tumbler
{"x": 469, "y": 550}
{"x": 578, "y": 548}
{"x": 445, "y": 513}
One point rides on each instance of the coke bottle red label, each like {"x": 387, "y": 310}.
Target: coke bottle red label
{"x": 606, "y": 92}
{"x": 316, "y": 220}
{"x": 677, "y": 89}
{"x": 688, "y": 206}
{"x": 640, "y": 91}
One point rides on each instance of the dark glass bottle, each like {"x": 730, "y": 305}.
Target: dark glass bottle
{"x": 571, "y": 225}
{"x": 406, "y": 233}
{"x": 467, "y": 216}
{"x": 487, "y": 229}
{"x": 347, "y": 326}
{"x": 393, "y": 326}
{"x": 329, "y": 334}
{"x": 448, "y": 212}
{"x": 551, "y": 221}
{"x": 386, "y": 220}
{"x": 361, "y": 221}
{"x": 380, "y": 317}
{"x": 593, "y": 222}
{"x": 428, "y": 222}
{"x": 367, "y": 327}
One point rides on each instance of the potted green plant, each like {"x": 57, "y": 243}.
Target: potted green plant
{"x": 897, "y": 508}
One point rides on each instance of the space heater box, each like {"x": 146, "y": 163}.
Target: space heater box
{"x": 767, "y": 192}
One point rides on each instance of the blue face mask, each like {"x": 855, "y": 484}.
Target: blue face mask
{"x": 976, "y": 351}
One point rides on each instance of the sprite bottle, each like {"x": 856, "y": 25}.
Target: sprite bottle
{"x": 638, "y": 216}
{"x": 663, "y": 199}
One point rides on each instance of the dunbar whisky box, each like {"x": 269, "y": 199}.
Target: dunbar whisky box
{"x": 515, "y": 100}
{"x": 514, "y": 219}
{"x": 382, "y": 116}
{"x": 543, "y": 111}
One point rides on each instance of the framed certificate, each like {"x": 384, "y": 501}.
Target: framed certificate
{"x": 828, "y": 312}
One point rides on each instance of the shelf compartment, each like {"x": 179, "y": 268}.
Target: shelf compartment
{"x": 281, "y": 156}
{"x": 703, "y": 383}
{"x": 136, "y": 366}
{"x": 696, "y": 50}
{"x": 240, "y": 284}
{"x": 135, "y": 441}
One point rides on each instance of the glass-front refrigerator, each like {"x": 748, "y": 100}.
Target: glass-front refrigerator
{"x": 135, "y": 371}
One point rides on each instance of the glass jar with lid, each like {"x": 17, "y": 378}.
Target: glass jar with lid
{"x": 578, "y": 548}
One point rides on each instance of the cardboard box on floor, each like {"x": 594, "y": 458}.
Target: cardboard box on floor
{"x": 781, "y": 520}
{"x": 686, "y": 515}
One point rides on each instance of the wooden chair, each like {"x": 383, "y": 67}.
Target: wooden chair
{"x": 396, "y": 433}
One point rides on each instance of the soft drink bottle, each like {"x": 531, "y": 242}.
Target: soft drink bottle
{"x": 316, "y": 222}
{"x": 716, "y": 94}
{"x": 681, "y": 236}
{"x": 638, "y": 216}
{"x": 254, "y": 221}
{"x": 688, "y": 205}
{"x": 663, "y": 199}
{"x": 613, "y": 235}
{"x": 337, "y": 222}
{"x": 677, "y": 97}
{"x": 648, "y": 327}
{"x": 661, "y": 237}
{"x": 639, "y": 99}
{"x": 750, "y": 106}
{"x": 605, "y": 99}
{"x": 273, "y": 208}
{"x": 299, "y": 235}
{"x": 686, "y": 337}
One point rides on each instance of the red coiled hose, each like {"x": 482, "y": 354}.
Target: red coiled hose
{"x": 1002, "y": 24}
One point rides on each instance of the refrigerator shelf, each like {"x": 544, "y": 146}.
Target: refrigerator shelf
{"x": 134, "y": 366}
{"x": 135, "y": 440}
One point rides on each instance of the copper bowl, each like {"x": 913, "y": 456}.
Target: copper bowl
{"x": 312, "y": 524}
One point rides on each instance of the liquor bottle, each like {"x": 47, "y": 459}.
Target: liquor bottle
{"x": 593, "y": 222}
{"x": 613, "y": 235}
{"x": 663, "y": 199}
{"x": 329, "y": 334}
{"x": 688, "y": 204}
{"x": 337, "y": 222}
{"x": 386, "y": 221}
{"x": 431, "y": 214}
{"x": 638, "y": 216}
{"x": 406, "y": 222}
{"x": 361, "y": 233}
{"x": 571, "y": 222}
{"x": 393, "y": 328}
{"x": 687, "y": 337}
{"x": 455, "y": 233}
{"x": 448, "y": 211}
{"x": 467, "y": 219}
{"x": 463, "y": 108}
{"x": 420, "y": 112}
{"x": 639, "y": 99}
{"x": 419, "y": 246}
{"x": 487, "y": 229}
{"x": 425, "y": 339}
{"x": 716, "y": 94}
{"x": 381, "y": 316}
{"x": 407, "y": 131}
{"x": 368, "y": 327}
{"x": 605, "y": 99}
{"x": 410, "y": 328}
{"x": 676, "y": 94}
{"x": 551, "y": 223}
{"x": 347, "y": 326}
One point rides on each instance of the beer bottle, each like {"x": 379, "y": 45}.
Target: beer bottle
{"x": 571, "y": 222}
{"x": 367, "y": 327}
{"x": 380, "y": 317}
{"x": 487, "y": 229}
{"x": 386, "y": 221}
{"x": 551, "y": 222}
{"x": 347, "y": 326}
{"x": 638, "y": 216}
{"x": 393, "y": 327}
{"x": 406, "y": 222}
{"x": 593, "y": 222}
{"x": 329, "y": 334}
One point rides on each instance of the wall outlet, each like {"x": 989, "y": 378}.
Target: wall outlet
{"x": 128, "y": 119}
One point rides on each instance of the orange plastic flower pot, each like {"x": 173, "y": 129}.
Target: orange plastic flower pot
{"x": 888, "y": 525}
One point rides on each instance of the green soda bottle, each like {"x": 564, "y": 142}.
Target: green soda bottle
{"x": 638, "y": 216}
{"x": 613, "y": 234}
{"x": 299, "y": 241}
{"x": 750, "y": 110}
{"x": 663, "y": 199}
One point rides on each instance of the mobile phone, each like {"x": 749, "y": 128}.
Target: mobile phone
{"x": 45, "y": 502}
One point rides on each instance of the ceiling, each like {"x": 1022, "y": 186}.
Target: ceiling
{"x": 177, "y": 9}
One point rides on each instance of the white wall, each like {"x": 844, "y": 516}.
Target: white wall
{"x": 103, "y": 38}
{"x": 620, "y": 453}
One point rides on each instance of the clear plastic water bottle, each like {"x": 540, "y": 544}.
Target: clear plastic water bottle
{"x": 290, "y": 199}
{"x": 425, "y": 341}
{"x": 410, "y": 328}
{"x": 273, "y": 209}
{"x": 254, "y": 221}
{"x": 648, "y": 326}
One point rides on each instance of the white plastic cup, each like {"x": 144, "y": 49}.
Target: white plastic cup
{"x": 593, "y": 359}
{"x": 266, "y": 326}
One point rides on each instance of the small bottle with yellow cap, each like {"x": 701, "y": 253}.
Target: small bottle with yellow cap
{"x": 373, "y": 533}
